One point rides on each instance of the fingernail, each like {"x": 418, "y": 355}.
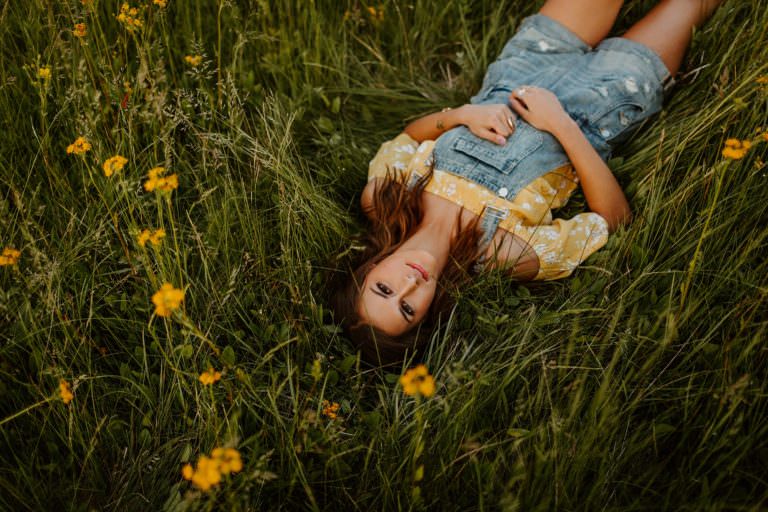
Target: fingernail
{"x": 501, "y": 141}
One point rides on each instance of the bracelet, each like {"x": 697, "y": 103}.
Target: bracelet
{"x": 440, "y": 124}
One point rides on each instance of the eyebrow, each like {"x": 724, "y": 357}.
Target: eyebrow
{"x": 377, "y": 292}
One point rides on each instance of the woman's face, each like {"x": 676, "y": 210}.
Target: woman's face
{"x": 397, "y": 292}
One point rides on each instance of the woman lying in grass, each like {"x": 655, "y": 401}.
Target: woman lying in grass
{"x": 474, "y": 187}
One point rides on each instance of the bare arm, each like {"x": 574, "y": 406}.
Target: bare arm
{"x": 493, "y": 122}
{"x": 603, "y": 193}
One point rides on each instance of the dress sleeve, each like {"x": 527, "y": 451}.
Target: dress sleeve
{"x": 394, "y": 155}
{"x": 562, "y": 245}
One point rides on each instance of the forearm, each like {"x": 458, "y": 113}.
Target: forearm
{"x": 431, "y": 126}
{"x": 601, "y": 190}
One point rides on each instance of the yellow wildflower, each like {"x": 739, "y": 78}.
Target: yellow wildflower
{"x": 80, "y": 30}
{"x": 44, "y": 73}
{"x": 209, "y": 377}
{"x": 330, "y": 409}
{"x": 129, "y": 17}
{"x": 376, "y": 14}
{"x": 229, "y": 460}
{"x": 10, "y": 256}
{"x": 161, "y": 3}
{"x": 418, "y": 381}
{"x": 114, "y": 164}
{"x": 158, "y": 181}
{"x": 762, "y": 80}
{"x": 65, "y": 392}
{"x": 209, "y": 470}
{"x": 167, "y": 300}
{"x": 193, "y": 60}
{"x": 157, "y": 237}
{"x": 143, "y": 237}
{"x": 735, "y": 149}
{"x": 79, "y": 147}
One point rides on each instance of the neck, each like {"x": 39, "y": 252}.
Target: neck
{"x": 434, "y": 236}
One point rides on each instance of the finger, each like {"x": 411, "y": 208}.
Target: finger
{"x": 509, "y": 118}
{"x": 491, "y": 136}
{"x": 515, "y": 96}
{"x": 519, "y": 107}
{"x": 501, "y": 125}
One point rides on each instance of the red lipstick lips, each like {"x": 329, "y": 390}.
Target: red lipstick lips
{"x": 420, "y": 269}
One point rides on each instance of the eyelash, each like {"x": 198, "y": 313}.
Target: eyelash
{"x": 406, "y": 307}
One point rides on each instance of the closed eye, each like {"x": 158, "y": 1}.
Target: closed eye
{"x": 405, "y": 309}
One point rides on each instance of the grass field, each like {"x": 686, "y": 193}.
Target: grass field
{"x": 637, "y": 384}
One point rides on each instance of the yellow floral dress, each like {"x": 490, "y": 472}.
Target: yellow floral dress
{"x": 560, "y": 244}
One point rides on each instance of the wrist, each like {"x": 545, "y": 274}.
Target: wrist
{"x": 457, "y": 115}
{"x": 565, "y": 126}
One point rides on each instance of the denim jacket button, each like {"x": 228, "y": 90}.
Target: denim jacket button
{"x": 503, "y": 192}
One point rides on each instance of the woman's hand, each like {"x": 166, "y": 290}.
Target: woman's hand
{"x": 539, "y": 107}
{"x": 493, "y": 122}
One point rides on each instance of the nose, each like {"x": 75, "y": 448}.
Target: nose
{"x": 411, "y": 283}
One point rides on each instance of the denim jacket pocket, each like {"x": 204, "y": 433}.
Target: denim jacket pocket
{"x": 523, "y": 141}
{"x": 615, "y": 118}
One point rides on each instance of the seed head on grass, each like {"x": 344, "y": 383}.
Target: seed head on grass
{"x": 114, "y": 164}
{"x": 167, "y": 300}
{"x": 80, "y": 147}
{"x": 65, "y": 392}
{"x": 418, "y": 382}
{"x": 10, "y": 256}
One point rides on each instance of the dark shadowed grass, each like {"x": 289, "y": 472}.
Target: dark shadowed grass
{"x": 638, "y": 383}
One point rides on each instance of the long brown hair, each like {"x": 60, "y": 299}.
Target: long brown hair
{"x": 395, "y": 213}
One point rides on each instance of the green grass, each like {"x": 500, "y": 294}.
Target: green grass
{"x": 638, "y": 383}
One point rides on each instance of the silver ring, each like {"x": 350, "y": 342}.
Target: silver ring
{"x": 521, "y": 91}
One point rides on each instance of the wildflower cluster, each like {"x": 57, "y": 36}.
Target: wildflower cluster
{"x": 330, "y": 409}
{"x": 154, "y": 237}
{"x": 114, "y": 164}
{"x": 209, "y": 470}
{"x": 65, "y": 392}
{"x": 130, "y": 18}
{"x": 377, "y": 14}
{"x": 80, "y": 30}
{"x": 193, "y": 60}
{"x": 10, "y": 256}
{"x": 209, "y": 377}
{"x": 736, "y": 149}
{"x": 167, "y": 300}
{"x": 158, "y": 181}
{"x": 418, "y": 382}
{"x": 44, "y": 73}
{"x": 79, "y": 147}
